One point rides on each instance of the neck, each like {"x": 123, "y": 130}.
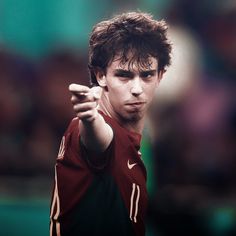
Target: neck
{"x": 136, "y": 126}
{"x": 104, "y": 106}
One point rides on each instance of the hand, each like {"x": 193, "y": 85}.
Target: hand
{"x": 85, "y": 101}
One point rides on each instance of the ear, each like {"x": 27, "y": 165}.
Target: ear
{"x": 101, "y": 79}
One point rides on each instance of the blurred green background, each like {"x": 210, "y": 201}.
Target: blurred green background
{"x": 34, "y": 27}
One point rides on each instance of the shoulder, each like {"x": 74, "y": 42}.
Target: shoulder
{"x": 69, "y": 140}
{"x": 74, "y": 125}
{"x": 72, "y": 132}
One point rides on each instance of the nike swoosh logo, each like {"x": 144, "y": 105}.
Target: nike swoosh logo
{"x": 130, "y": 166}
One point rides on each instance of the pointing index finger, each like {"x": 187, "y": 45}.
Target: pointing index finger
{"x": 78, "y": 89}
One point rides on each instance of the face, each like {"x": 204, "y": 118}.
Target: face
{"x": 129, "y": 91}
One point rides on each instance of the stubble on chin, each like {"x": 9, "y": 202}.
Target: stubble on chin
{"x": 132, "y": 117}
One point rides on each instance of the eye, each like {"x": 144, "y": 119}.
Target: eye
{"x": 122, "y": 75}
{"x": 147, "y": 75}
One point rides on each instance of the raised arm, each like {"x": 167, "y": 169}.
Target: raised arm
{"x": 95, "y": 133}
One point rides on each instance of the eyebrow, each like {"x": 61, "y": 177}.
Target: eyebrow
{"x": 152, "y": 72}
{"x": 130, "y": 73}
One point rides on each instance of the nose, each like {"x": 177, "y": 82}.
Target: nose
{"x": 136, "y": 86}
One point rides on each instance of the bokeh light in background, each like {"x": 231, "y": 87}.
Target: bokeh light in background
{"x": 188, "y": 144}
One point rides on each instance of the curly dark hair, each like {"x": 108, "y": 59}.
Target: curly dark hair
{"x": 134, "y": 33}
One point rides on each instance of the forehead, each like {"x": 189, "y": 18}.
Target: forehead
{"x": 152, "y": 64}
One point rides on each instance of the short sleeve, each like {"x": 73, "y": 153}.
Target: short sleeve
{"x": 97, "y": 161}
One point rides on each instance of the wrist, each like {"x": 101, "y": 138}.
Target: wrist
{"x": 92, "y": 119}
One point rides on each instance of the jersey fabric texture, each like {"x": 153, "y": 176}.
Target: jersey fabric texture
{"x": 99, "y": 194}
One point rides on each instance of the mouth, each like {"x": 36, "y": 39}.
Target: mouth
{"x": 136, "y": 105}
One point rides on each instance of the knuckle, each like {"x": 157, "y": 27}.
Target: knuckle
{"x": 73, "y": 99}
{"x": 76, "y": 107}
{"x": 92, "y": 105}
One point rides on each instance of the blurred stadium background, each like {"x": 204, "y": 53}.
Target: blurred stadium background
{"x": 189, "y": 141}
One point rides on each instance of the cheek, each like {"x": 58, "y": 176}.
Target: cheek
{"x": 150, "y": 90}
{"x": 118, "y": 89}
{"x": 114, "y": 92}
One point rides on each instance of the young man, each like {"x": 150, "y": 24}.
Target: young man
{"x": 100, "y": 179}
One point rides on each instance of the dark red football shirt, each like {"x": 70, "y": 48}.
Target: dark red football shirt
{"x": 99, "y": 194}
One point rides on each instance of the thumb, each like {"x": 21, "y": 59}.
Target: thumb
{"x": 96, "y": 92}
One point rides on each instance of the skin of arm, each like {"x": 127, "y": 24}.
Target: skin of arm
{"x": 95, "y": 133}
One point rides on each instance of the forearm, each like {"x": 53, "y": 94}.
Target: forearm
{"x": 96, "y": 135}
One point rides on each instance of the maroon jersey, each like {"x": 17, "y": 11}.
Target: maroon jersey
{"x": 99, "y": 194}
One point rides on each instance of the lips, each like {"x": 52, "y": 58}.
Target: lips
{"x": 136, "y": 105}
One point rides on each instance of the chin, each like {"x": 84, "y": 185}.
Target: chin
{"x": 133, "y": 117}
